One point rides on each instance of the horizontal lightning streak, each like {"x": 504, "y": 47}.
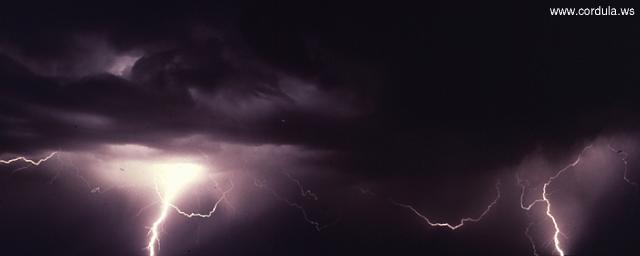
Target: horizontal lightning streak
{"x": 27, "y": 160}
{"x": 462, "y": 221}
{"x": 211, "y": 212}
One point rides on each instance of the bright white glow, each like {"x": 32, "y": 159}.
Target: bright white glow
{"x": 171, "y": 178}
{"x": 121, "y": 65}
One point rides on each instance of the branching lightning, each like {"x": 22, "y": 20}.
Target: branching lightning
{"x": 213, "y": 209}
{"x": 263, "y": 185}
{"x": 303, "y": 192}
{"x": 155, "y": 237}
{"x": 462, "y": 221}
{"x": 545, "y": 199}
{"x": 545, "y": 196}
{"x": 171, "y": 180}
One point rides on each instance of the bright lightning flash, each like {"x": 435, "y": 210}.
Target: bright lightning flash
{"x": 545, "y": 200}
{"x": 171, "y": 179}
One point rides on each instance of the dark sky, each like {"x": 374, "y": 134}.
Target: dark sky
{"x": 427, "y": 104}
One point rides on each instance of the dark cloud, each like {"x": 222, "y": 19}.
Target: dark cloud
{"x": 421, "y": 89}
{"x": 201, "y": 88}
{"x": 371, "y": 81}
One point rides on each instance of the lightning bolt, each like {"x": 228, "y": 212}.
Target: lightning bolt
{"x": 213, "y": 209}
{"x": 155, "y": 237}
{"x": 303, "y": 192}
{"x": 263, "y": 185}
{"x": 546, "y": 201}
{"x": 462, "y": 221}
{"x": 168, "y": 191}
{"x": 169, "y": 182}
{"x": 27, "y": 160}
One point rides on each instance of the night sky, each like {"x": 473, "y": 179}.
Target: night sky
{"x": 311, "y": 123}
